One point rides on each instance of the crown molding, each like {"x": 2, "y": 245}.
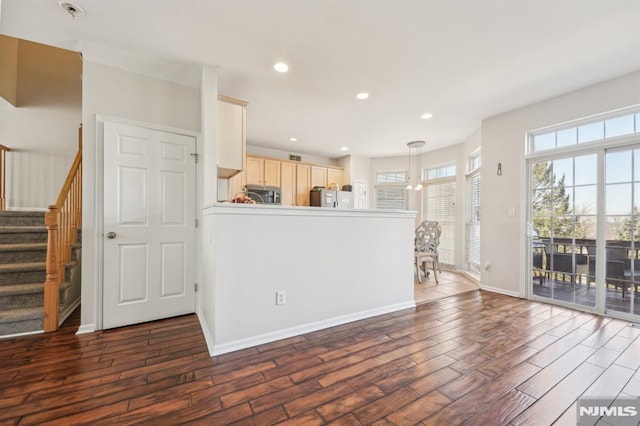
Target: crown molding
{"x": 185, "y": 74}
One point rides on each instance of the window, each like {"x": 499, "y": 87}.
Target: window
{"x": 472, "y": 213}
{"x": 439, "y": 172}
{"x": 583, "y": 191}
{"x": 621, "y": 124}
{"x": 438, "y": 204}
{"x": 391, "y": 190}
{"x": 475, "y": 161}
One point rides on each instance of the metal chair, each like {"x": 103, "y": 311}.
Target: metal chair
{"x": 426, "y": 242}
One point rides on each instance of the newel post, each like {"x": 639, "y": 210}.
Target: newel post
{"x": 51, "y": 290}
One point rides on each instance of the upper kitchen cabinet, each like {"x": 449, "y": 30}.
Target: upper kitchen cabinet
{"x": 288, "y": 183}
{"x": 263, "y": 171}
{"x": 318, "y": 176}
{"x": 303, "y": 184}
{"x": 334, "y": 176}
{"x": 231, "y": 136}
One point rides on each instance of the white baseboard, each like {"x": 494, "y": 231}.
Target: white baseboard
{"x": 21, "y": 334}
{"x": 500, "y": 291}
{"x": 470, "y": 276}
{"x": 306, "y": 328}
{"x": 86, "y": 328}
{"x": 208, "y": 336}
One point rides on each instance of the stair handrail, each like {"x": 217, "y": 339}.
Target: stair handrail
{"x": 62, "y": 220}
{"x": 3, "y": 176}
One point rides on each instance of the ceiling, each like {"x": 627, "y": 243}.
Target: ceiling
{"x": 461, "y": 60}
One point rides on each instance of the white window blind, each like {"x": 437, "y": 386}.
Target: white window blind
{"x": 391, "y": 190}
{"x": 390, "y": 197}
{"x": 472, "y": 221}
{"x": 438, "y": 204}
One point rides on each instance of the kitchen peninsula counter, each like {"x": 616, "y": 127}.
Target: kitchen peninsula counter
{"x": 335, "y": 266}
{"x": 259, "y": 209}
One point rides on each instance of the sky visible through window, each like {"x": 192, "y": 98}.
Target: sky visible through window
{"x": 622, "y": 179}
{"x": 599, "y": 130}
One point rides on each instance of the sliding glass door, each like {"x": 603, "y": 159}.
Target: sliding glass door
{"x": 622, "y": 184}
{"x": 585, "y": 230}
{"x": 563, "y": 209}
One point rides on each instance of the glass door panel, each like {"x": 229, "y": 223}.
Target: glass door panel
{"x": 564, "y": 218}
{"x": 622, "y": 269}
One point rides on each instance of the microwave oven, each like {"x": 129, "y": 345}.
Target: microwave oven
{"x": 264, "y": 194}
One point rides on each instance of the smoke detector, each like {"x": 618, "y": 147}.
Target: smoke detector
{"x": 71, "y": 8}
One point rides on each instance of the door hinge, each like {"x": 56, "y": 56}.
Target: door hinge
{"x": 197, "y": 223}
{"x": 195, "y": 156}
{"x": 196, "y": 286}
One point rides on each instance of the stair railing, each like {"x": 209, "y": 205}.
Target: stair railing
{"x": 62, "y": 220}
{"x": 3, "y": 176}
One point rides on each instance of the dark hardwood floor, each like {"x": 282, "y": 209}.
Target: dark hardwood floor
{"x": 475, "y": 358}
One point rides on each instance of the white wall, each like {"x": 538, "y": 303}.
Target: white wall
{"x": 42, "y": 131}
{"x": 34, "y": 178}
{"x": 208, "y": 176}
{"x": 503, "y": 141}
{"x": 360, "y": 169}
{"x": 115, "y": 92}
{"x": 336, "y": 266}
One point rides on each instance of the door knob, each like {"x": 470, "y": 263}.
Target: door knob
{"x": 111, "y": 235}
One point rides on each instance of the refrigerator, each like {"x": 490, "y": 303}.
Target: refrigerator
{"x": 321, "y": 197}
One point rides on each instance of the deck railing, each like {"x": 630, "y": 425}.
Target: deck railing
{"x": 62, "y": 220}
{"x": 3, "y": 176}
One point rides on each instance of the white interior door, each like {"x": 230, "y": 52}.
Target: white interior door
{"x": 149, "y": 225}
{"x": 360, "y": 194}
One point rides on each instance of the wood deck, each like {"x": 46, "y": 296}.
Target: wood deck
{"x": 475, "y": 358}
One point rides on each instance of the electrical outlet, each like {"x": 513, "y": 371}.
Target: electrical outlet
{"x": 281, "y": 297}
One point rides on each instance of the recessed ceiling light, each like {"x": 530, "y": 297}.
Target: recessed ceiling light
{"x": 362, "y": 95}
{"x": 281, "y": 67}
{"x": 344, "y": 148}
{"x": 293, "y": 139}
{"x": 426, "y": 116}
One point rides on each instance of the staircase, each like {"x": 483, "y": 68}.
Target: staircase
{"x": 23, "y": 250}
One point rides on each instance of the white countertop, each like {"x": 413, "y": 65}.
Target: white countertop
{"x": 268, "y": 209}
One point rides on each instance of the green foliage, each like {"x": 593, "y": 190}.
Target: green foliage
{"x": 626, "y": 229}
{"x": 552, "y": 215}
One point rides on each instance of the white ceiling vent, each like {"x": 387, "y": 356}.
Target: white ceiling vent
{"x": 71, "y": 8}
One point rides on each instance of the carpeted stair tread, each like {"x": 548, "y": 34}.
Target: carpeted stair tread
{"x": 22, "y": 229}
{"x": 23, "y": 267}
{"x": 23, "y": 247}
{"x": 22, "y": 314}
{"x": 21, "y": 213}
{"x": 13, "y": 289}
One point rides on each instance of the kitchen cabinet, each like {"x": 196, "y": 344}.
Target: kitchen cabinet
{"x": 231, "y": 147}
{"x": 236, "y": 184}
{"x": 318, "y": 176}
{"x": 334, "y": 176}
{"x": 271, "y": 172}
{"x": 303, "y": 184}
{"x": 255, "y": 171}
{"x": 262, "y": 171}
{"x": 288, "y": 183}
{"x": 294, "y": 179}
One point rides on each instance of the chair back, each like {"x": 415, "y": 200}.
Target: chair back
{"x": 427, "y": 238}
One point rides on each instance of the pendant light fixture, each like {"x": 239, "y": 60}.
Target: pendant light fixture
{"x": 414, "y": 145}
